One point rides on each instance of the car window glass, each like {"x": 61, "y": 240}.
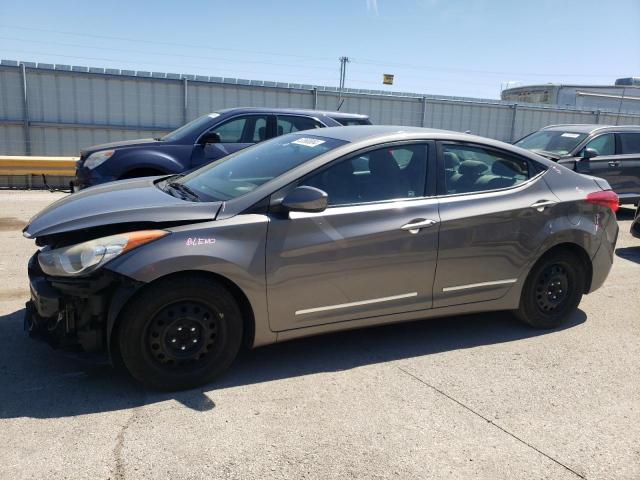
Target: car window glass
{"x": 382, "y": 174}
{"x": 630, "y": 142}
{"x": 352, "y": 121}
{"x": 246, "y": 129}
{"x": 475, "y": 169}
{"x": 291, "y": 123}
{"x": 604, "y": 144}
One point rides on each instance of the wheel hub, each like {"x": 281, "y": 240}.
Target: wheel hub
{"x": 552, "y": 288}
{"x": 183, "y": 333}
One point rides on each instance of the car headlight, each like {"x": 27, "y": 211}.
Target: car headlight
{"x": 86, "y": 257}
{"x": 98, "y": 158}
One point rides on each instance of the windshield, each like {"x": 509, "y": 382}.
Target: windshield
{"x": 552, "y": 141}
{"x": 196, "y": 126}
{"x": 244, "y": 171}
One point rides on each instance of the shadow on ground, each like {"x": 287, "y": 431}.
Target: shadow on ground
{"x": 40, "y": 382}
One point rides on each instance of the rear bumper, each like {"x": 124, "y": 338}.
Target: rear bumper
{"x": 602, "y": 261}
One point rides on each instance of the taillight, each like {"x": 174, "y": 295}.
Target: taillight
{"x": 606, "y": 198}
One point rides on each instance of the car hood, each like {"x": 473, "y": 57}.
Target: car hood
{"x": 120, "y": 144}
{"x": 137, "y": 200}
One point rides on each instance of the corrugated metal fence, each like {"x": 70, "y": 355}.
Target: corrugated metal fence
{"x": 58, "y": 109}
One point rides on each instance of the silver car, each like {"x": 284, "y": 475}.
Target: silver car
{"x": 314, "y": 232}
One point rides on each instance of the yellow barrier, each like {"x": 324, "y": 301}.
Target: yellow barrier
{"x": 16, "y": 165}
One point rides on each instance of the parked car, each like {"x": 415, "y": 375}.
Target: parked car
{"x": 203, "y": 140}
{"x": 635, "y": 226}
{"x": 315, "y": 232}
{"x": 610, "y": 152}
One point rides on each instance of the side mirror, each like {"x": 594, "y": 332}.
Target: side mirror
{"x": 305, "y": 199}
{"x": 589, "y": 153}
{"x": 210, "y": 137}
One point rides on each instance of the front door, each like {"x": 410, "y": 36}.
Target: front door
{"x": 607, "y": 164}
{"x": 630, "y": 162}
{"x": 494, "y": 209}
{"x": 372, "y": 252}
{"x": 235, "y": 134}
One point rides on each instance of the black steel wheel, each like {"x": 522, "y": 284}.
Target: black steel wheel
{"x": 553, "y": 289}
{"x": 180, "y": 333}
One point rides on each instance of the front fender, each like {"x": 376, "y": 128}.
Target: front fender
{"x": 167, "y": 160}
{"x": 233, "y": 248}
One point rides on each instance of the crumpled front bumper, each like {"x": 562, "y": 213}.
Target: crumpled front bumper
{"x": 70, "y": 312}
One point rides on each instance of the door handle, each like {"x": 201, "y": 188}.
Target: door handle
{"x": 415, "y": 227}
{"x": 540, "y": 205}
{"x": 614, "y": 163}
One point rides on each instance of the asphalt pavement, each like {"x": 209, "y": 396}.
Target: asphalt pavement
{"x": 477, "y": 396}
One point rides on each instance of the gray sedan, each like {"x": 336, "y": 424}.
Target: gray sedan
{"x": 314, "y": 232}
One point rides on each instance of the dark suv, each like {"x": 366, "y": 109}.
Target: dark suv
{"x": 201, "y": 141}
{"x": 610, "y": 152}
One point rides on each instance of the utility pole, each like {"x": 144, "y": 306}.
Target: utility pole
{"x": 343, "y": 73}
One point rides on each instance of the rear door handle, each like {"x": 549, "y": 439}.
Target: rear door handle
{"x": 414, "y": 227}
{"x": 540, "y": 205}
{"x": 613, "y": 163}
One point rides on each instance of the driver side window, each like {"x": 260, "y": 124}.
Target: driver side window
{"x": 247, "y": 129}
{"x": 604, "y": 144}
{"x": 389, "y": 173}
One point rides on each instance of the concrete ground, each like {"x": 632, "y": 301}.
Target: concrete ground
{"x": 477, "y": 396}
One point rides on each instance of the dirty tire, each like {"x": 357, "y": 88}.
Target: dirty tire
{"x": 552, "y": 290}
{"x": 180, "y": 333}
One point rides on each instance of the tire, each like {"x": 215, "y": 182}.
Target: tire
{"x": 141, "y": 172}
{"x": 553, "y": 290}
{"x": 180, "y": 333}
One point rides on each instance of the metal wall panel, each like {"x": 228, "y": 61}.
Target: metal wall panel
{"x": 72, "y": 109}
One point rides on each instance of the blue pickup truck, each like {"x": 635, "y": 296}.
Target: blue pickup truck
{"x": 201, "y": 141}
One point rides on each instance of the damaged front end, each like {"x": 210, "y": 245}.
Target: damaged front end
{"x": 74, "y": 312}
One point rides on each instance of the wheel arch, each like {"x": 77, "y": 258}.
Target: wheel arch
{"x": 576, "y": 249}
{"x": 125, "y": 295}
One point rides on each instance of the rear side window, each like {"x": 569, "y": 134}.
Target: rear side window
{"x": 291, "y": 123}
{"x": 476, "y": 169}
{"x": 604, "y": 144}
{"x": 347, "y": 122}
{"x": 630, "y": 142}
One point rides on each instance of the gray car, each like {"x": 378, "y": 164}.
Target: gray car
{"x": 310, "y": 233}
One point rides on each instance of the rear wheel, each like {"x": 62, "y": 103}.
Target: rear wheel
{"x": 180, "y": 333}
{"x": 552, "y": 290}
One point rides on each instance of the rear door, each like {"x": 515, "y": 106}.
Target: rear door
{"x": 629, "y": 158}
{"x": 235, "y": 134}
{"x": 494, "y": 208}
{"x": 372, "y": 252}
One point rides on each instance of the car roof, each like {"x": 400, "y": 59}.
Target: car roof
{"x": 589, "y": 127}
{"x": 298, "y": 111}
{"x": 357, "y": 133}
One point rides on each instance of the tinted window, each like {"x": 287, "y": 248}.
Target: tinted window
{"x": 247, "y": 129}
{"x": 290, "y": 124}
{"x": 475, "y": 169}
{"x": 552, "y": 141}
{"x": 630, "y": 142}
{"x": 352, "y": 121}
{"x": 194, "y": 127}
{"x": 383, "y": 174}
{"x": 244, "y": 171}
{"x": 604, "y": 144}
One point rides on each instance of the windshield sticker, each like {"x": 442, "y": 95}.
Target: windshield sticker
{"x": 213, "y": 115}
{"x": 570, "y": 135}
{"x": 308, "y": 142}
{"x": 192, "y": 242}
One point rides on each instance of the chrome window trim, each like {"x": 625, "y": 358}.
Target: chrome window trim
{"x": 366, "y": 207}
{"x": 356, "y": 304}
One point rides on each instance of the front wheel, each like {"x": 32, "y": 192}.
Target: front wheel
{"x": 180, "y": 333}
{"x": 552, "y": 290}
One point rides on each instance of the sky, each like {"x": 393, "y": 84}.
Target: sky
{"x": 469, "y": 48}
